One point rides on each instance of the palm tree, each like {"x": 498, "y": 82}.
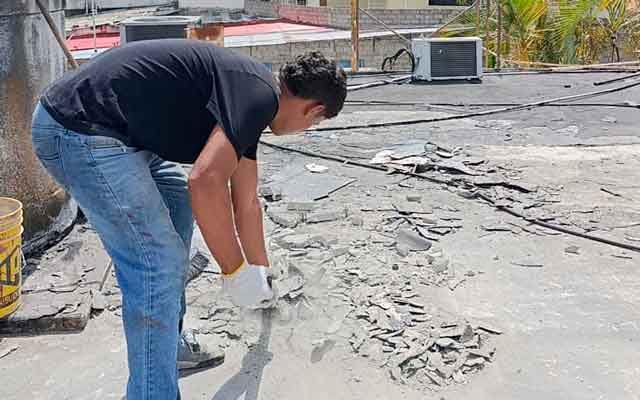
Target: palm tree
{"x": 585, "y": 29}
{"x": 567, "y": 31}
{"x": 521, "y": 24}
{"x": 521, "y": 27}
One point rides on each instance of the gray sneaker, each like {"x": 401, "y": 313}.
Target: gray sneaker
{"x": 193, "y": 354}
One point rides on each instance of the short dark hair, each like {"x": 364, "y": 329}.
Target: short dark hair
{"x": 313, "y": 76}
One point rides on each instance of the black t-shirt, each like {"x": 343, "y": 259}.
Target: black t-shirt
{"x": 166, "y": 96}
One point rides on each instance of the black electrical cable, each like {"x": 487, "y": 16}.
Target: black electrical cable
{"x": 408, "y": 103}
{"x": 392, "y": 59}
{"x": 399, "y": 79}
{"x": 622, "y": 78}
{"x": 546, "y": 72}
{"x": 449, "y": 183}
{"x": 479, "y": 113}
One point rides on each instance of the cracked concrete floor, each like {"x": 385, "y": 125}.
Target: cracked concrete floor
{"x": 570, "y": 328}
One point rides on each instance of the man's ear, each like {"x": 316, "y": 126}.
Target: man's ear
{"x": 315, "y": 111}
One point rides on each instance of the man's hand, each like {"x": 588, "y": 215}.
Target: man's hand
{"x": 249, "y": 287}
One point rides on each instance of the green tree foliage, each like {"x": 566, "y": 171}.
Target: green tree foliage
{"x": 556, "y": 31}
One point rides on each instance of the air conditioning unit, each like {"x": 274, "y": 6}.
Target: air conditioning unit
{"x": 156, "y": 27}
{"x": 447, "y": 58}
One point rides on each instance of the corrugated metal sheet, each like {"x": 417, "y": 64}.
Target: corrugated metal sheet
{"x": 453, "y": 59}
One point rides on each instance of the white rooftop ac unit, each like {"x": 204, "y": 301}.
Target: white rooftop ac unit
{"x": 447, "y": 58}
{"x": 156, "y": 27}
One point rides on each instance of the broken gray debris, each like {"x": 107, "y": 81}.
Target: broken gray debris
{"x": 409, "y": 149}
{"x": 496, "y": 227}
{"x": 270, "y": 193}
{"x": 440, "y": 264}
{"x": 454, "y": 283}
{"x": 440, "y": 230}
{"x": 5, "y": 351}
{"x": 527, "y": 265}
{"x": 298, "y": 241}
{"x": 289, "y": 286}
{"x": 316, "y": 168}
{"x": 455, "y": 166}
{"x": 487, "y": 327}
{"x": 406, "y": 238}
{"x": 298, "y": 184}
{"x": 572, "y": 250}
{"x": 402, "y": 250}
{"x": 444, "y": 342}
{"x": 358, "y": 337}
{"x": 632, "y": 237}
{"x": 98, "y": 301}
{"x": 487, "y": 354}
{"x": 198, "y": 264}
{"x": 356, "y": 220}
{"x": 326, "y": 216}
{"x": 302, "y": 205}
{"x": 424, "y": 232}
{"x": 321, "y": 348}
{"x": 284, "y": 219}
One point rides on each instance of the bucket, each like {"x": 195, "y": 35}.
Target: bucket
{"x": 10, "y": 255}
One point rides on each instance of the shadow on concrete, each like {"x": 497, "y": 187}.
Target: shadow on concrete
{"x": 247, "y": 381}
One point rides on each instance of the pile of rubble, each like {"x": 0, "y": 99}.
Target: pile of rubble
{"x": 414, "y": 343}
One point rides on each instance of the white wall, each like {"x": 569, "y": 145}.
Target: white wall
{"x": 232, "y": 4}
{"x": 103, "y": 4}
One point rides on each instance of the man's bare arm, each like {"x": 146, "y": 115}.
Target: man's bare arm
{"x": 211, "y": 200}
{"x": 248, "y": 211}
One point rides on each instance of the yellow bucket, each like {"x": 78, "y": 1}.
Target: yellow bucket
{"x": 10, "y": 255}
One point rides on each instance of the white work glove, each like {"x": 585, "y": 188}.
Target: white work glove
{"x": 249, "y": 286}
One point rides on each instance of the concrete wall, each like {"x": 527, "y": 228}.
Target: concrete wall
{"x": 372, "y": 51}
{"x": 30, "y": 59}
{"x": 233, "y": 4}
{"x": 104, "y": 4}
{"x": 381, "y": 4}
{"x": 261, "y": 8}
{"x": 341, "y": 17}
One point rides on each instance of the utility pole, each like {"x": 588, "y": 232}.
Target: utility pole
{"x": 355, "y": 35}
{"x": 486, "y": 33}
{"x": 499, "y": 39}
{"x": 478, "y": 3}
{"x": 93, "y": 23}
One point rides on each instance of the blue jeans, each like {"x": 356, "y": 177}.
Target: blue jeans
{"x": 140, "y": 206}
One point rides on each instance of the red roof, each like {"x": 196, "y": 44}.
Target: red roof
{"x": 105, "y": 40}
